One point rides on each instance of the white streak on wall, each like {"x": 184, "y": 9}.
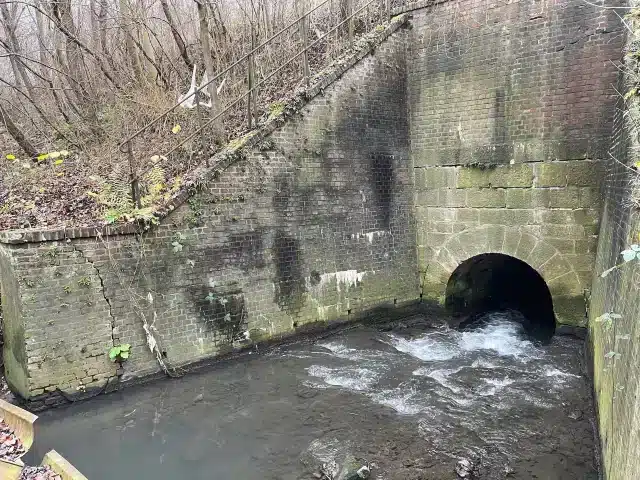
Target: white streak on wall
{"x": 370, "y": 235}
{"x": 349, "y": 278}
{"x": 376, "y": 233}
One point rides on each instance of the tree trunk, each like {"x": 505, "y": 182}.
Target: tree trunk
{"x": 125, "y": 23}
{"x": 149, "y": 55}
{"x": 212, "y": 89}
{"x": 102, "y": 22}
{"x": 62, "y": 8}
{"x": 10, "y": 25}
{"x": 41, "y": 25}
{"x": 17, "y": 134}
{"x": 182, "y": 48}
{"x": 95, "y": 28}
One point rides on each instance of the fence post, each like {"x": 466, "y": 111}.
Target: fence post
{"x": 250, "y": 86}
{"x": 254, "y": 93}
{"x": 135, "y": 187}
{"x": 203, "y": 141}
{"x": 305, "y": 44}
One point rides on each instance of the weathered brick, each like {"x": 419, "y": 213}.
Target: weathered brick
{"x": 332, "y": 192}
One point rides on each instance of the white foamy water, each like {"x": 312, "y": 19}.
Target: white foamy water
{"x": 403, "y": 400}
{"x": 495, "y": 385}
{"x": 441, "y": 376}
{"x": 502, "y": 337}
{"x": 554, "y": 372}
{"x": 340, "y": 350}
{"x": 427, "y": 347}
{"x": 447, "y": 370}
{"x": 358, "y": 379}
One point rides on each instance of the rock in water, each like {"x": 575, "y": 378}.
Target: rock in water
{"x": 353, "y": 469}
{"x": 465, "y": 468}
{"x": 331, "y": 459}
{"x": 362, "y": 472}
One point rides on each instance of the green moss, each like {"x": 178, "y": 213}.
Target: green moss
{"x": 276, "y": 109}
{"x": 240, "y": 142}
{"x": 258, "y": 335}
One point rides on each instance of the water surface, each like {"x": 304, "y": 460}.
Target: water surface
{"x": 408, "y": 399}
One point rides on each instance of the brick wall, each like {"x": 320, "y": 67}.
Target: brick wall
{"x": 480, "y": 129}
{"x": 510, "y": 108}
{"x": 614, "y": 343}
{"x": 313, "y": 225}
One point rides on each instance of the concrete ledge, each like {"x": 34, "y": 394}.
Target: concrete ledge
{"x": 10, "y": 470}
{"x": 20, "y": 421}
{"x": 62, "y": 467}
{"x": 416, "y": 6}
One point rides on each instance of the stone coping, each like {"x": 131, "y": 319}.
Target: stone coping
{"x": 201, "y": 175}
{"x": 416, "y": 6}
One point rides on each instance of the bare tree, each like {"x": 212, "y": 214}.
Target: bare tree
{"x": 17, "y": 134}
{"x": 212, "y": 88}
{"x": 9, "y": 17}
{"x": 176, "y": 35}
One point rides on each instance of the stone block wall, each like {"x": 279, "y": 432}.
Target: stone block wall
{"x": 314, "y": 224}
{"x": 510, "y": 106}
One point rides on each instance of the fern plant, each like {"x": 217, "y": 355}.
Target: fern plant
{"x": 114, "y": 195}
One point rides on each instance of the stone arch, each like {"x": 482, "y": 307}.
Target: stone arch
{"x": 557, "y": 272}
{"x": 492, "y": 282}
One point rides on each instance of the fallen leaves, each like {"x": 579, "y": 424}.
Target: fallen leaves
{"x": 11, "y": 447}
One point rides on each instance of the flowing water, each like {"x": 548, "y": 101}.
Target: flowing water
{"x": 410, "y": 399}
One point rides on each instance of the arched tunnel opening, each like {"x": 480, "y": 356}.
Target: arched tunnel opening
{"x": 496, "y": 282}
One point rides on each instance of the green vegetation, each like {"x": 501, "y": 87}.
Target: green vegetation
{"x": 120, "y": 353}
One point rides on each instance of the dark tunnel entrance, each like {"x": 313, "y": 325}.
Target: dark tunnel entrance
{"x": 495, "y": 282}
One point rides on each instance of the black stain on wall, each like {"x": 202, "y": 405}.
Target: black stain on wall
{"x": 283, "y": 189}
{"x": 382, "y": 183}
{"x": 247, "y": 249}
{"x": 243, "y": 249}
{"x": 290, "y": 282}
{"x": 221, "y": 309}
